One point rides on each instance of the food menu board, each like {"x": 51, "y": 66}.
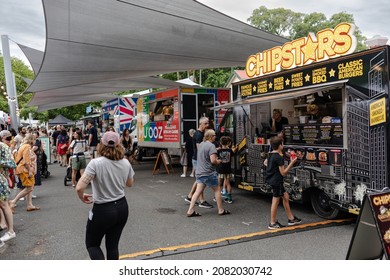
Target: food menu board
{"x": 380, "y": 205}
{"x": 329, "y": 134}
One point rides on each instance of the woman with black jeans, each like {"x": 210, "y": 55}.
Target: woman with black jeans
{"x": 108, "y": 174}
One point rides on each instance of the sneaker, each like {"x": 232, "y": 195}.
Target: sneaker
{"x": 224, "y": 193}
{"x": 183, "y": 175}
{"x": 294, "y": 221}
{"x": 187, "y": 199}
{"x": 191, "y": 175}
{"x": 276, "y": 225}
{"x": 33, "y": 196}
{"x": 1, "y": 243}
{"x": 205, "y": 204}
{"x": 22, "y": 199}
{"x": 214, "y": 199}
{"x": 228, "y": 198}
{"x": 7, "y": 236}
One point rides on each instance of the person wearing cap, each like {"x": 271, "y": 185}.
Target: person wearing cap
{"x": 108, "y": 174}
{"x": 6, "y": 162}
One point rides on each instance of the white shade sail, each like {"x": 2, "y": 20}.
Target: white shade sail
{"x": 108, "y": 41}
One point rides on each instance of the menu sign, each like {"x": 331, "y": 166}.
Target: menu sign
{"x": 354, "y": 68}
{"x": 380, "y": 205}
{"x": 314, "y": 134}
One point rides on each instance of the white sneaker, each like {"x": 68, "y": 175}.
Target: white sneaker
{"x": 7, "y": 236}
{"x": 191, "y": 175}
{"x": 183, "y": 175}
{"x": 1, "y": 243}
{"x": 22, "y": 199}
{"x": 33, "y": 196}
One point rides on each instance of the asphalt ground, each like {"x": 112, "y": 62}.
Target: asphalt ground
{"x": 158, "y": 227}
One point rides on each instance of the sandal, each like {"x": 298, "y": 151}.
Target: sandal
{"x": 194, "y": 214}
{"x": 225, "y": 212}
{"x": 33, "y": 208}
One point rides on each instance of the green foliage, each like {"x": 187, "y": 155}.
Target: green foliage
{"x": 294, "y": 25}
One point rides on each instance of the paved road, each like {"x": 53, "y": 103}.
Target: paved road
{"x": 158, "y": 226}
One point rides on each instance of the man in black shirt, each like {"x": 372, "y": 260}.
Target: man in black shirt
{"x": 54, "y": 137}
{"x": 92, "y": 138}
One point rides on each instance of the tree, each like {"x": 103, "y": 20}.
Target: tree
{"x": 294, "y": 25}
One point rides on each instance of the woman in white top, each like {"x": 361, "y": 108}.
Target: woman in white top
{"x": 108, "y": 175}
{"x": 77, "y": 148}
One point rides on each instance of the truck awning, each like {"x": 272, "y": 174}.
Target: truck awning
{"x": 280, "y": 95}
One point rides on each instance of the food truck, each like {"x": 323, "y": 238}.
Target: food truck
{"x": 165, "y": 117}
{"x": 337, "y": 105}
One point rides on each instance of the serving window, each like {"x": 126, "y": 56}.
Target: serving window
{"x": 161, "y": 110}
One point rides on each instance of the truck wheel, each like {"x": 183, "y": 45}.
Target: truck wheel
{"x": 321, "y": 206}
{"x": 138, "y": 153}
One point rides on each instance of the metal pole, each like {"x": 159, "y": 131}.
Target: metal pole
{"x": 16, "y": 103}
{"x": 11, "y": 91}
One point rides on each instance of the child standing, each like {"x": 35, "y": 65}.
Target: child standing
{"x": 275, "y": 173}
{"x": 225, "y": 154}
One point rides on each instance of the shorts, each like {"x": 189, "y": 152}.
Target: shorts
{"x": 92, "y": 151}
{"x": 278, "y": 191}
{"x": 208, "y": 181}
{"x": 80, "y": 163}
{"x": 223, "y": 176}
{"x": 194, "y": 163}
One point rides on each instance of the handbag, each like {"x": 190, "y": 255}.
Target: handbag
{"x": 183, "y": 158}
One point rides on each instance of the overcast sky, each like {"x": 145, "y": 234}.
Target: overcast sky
{"x": 23, "y": 20}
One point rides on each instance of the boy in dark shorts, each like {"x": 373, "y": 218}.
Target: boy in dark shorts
{"x": 275, "y": 173}
{"x": 225, "y": 154}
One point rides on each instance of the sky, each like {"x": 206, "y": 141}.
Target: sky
{"x": 23, "y": 20}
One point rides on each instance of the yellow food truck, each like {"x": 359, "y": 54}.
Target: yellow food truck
{"x": 336, "y": 104}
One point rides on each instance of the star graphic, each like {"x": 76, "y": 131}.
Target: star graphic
{"x": 270, "y": 85}
{"x": 331, "y": 73}
{"x": 287, "y": 82}
{"x": 254, "y": 89}
{"x": 307, "y": 78}
{"x": 309, "y": 49}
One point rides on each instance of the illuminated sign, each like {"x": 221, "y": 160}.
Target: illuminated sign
{"x": 327, "y": 43}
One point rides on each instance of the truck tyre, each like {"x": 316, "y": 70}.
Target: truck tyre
{"x": 138, "y": 153}
{"x": 320, "y": 203}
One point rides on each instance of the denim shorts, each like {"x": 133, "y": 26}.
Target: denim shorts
{"x": 194, "y": 163}
{"x": 208, "y": 181}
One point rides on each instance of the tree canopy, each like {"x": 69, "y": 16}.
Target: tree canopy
{"x": 293, "y": 25}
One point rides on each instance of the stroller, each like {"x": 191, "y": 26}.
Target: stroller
{"x": 45, "y": 173}
{"x": 68, "y": 176}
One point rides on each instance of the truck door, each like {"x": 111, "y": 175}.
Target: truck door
{"x": 189, "y": 113}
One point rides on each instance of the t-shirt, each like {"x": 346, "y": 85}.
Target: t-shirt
{"x": 279, "y": 124}
{"x": 204, "y": 166}
{"x": 197, "y": 139}
{"x": 225, "y": 155}
{"x": 54, "y": 136}
{"x": 110, "y": 177}
{"x": 94, "y": 133}
{"x": 273, "y": 177}
{"x": 78, "y": 146}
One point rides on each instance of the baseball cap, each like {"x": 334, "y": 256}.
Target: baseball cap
{"x": 110, "y": 139}
{"x": 5, "y": 134}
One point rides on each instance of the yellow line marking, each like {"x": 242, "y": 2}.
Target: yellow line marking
{"x": 237, "y": 237}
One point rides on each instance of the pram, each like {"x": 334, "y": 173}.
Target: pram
{"x": 68, "y": 176}
{"x": 45, "y": 173}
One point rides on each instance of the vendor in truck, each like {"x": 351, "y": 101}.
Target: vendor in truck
{"x": 277, "y": 121}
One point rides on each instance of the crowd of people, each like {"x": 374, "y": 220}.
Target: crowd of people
{"x": 211, "y": 163}
{"x": 22, "y": 164}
